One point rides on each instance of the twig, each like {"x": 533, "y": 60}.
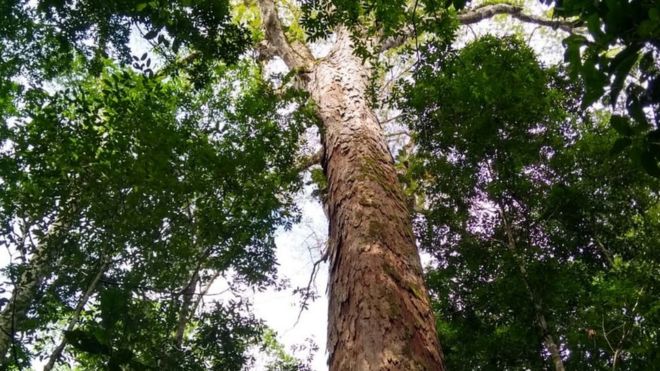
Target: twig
{"x": 312, "y": 276}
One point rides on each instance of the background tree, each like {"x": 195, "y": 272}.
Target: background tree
{"x": 532, "y": 219}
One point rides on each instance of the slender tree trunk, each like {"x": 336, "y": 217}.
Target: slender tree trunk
{"x": 379, "y": 311}
{"x": 190, "y": 304}
{"x": 548, "y": 339}
{"x": 22, "y": 296}
{"x": 186, "y": 309}
{"x": 57, "y": 352}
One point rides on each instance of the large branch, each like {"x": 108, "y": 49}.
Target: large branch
{"x": 309, "y": 161}
{"x": 488, "y": 11}
{"x": 296, "y": 55}
{"x": 485, "y": 12}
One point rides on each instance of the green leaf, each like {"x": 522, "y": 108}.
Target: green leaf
{"x": 594, "y": 81}
{"x": 651, "y": 163}
{"x": 572, "y": 54}
{"x": 151, "y": 34}
{"x": 113, "y": 306}
{"x": 621, "y": 125}
{"x": 621, "y": 66}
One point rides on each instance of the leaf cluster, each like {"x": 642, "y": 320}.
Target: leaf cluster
{"x": 157, "y": 185}
{"x": 621, "y": 54}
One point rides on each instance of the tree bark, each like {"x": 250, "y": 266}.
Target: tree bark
{"x": 186, "y": 309}
{"x": 379, "y": 314}
{"x": 21, "y": 298}
{"x": 379, "y": 311}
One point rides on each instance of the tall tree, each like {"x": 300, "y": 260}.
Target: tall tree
{"x": 533, "y": 228}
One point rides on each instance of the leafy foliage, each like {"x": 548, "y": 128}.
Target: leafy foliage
{"x": 63, "y": 27}
{"x": 155, "y": 177}
{"x": 622, "y": 52}
{"x": 531, "y": 218}
{"x": 542, "y": 220}
{"x": 376, "y": 20}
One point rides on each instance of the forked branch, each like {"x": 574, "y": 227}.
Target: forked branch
{"x": 296, "y": 55}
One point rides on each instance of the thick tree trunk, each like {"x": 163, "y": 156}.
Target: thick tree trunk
{"x": 379, "y": 311}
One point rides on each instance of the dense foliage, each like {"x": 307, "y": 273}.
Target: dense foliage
{"x": 146, "y": 176}
{"x": 620, "y": 52}
{"x": 537, "y": 228}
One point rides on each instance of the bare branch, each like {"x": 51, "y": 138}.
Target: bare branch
{"x": 312, "y": 277}
{"x": 296, "y": 55}
{"x": 57, "y": 352}
{"x": 397, "y": 133}
{"x": 205, "y": 292}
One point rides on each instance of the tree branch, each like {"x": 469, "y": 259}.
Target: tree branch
{"x": 306, "y": 292}
{"x": 185, "y": 310}
{"x": 488, "y": 11}
{"x": 57, "y": 352}
{"x": 485, "y": 12}
{"x": 296, "y": 55}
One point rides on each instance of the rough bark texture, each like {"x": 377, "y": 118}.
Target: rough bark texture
{"x": 379, "y": 310}
{"x": 379, "y": 315}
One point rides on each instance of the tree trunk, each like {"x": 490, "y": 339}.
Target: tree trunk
{"x": 186, "y": 309}
{"x": 548, "y": 339}
{"x": 16, "y": 309}
{"x": 57, "y": 352}
{"x": 379, "y": 311}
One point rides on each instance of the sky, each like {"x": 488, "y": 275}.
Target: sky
{"x": 297, "y": 250}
